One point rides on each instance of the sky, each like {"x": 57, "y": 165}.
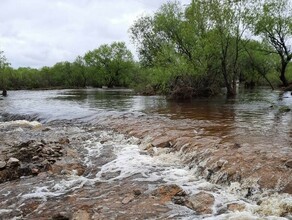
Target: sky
{"x": 37, "y": 33}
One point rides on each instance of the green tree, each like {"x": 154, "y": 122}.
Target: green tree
{"x": 3, "y": 65}
{"x": 273, "y": 22}
{"x": 112, "y": 63}
{"x": 80, "y": 75}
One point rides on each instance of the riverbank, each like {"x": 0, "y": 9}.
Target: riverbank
{"x": 162, "y": 173}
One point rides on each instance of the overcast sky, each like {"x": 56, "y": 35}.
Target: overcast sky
{"x": 38, "y": 33}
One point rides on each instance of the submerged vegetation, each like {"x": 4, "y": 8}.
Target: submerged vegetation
{"x": 183, "y": 51}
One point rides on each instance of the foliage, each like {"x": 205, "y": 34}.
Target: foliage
{"x": 184, "y": 51}
{"x": 108, "y": 65}
{"x": 111, "y": 63}
{"x": 273, "y": 22}
{"x": 3, "y": 66}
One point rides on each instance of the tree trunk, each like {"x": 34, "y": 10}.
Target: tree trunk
{"x": 282, "y": 76}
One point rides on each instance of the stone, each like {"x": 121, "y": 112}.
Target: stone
{"x": 64, "y": 141}
{"x": 13, "y": 162}
{"x": 201, "y": 203}
{"x": 233, "y": 207}
{"x": 178, "y": 200}
{"x": 110, "y": 175}
{"x": 128, "y": 199}
{"x": 35, "y": 171}
{"x": 35, "y": 158}
{"x": 167, "y": 192}
{"x": 2, "y": 164}
{"x": 288, "y": 188}
{"x": 137, "y": 192}
{"x": 162, "y": 142}
{"x": 288, "y": 163}
{"x": 61, "y": 216}
{"x": 81, "y": 215}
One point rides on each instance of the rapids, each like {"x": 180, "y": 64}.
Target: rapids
{"x": 121, "y": 176}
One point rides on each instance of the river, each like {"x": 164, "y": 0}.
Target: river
{"x": 96, "y": 122}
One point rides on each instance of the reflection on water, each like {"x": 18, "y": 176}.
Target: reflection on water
{"x": 254, "y": 115}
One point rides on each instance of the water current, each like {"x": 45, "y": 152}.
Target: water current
{"x": 115, "y": 164}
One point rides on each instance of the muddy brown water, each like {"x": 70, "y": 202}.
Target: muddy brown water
{"x": 116, "y": 164}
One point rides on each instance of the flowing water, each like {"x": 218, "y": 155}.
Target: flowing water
{"x": 254, "y": 117}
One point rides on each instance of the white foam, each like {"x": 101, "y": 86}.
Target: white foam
{"x": 164, "y": 167}
{"x": 32, "y": 124}
{"x": 5, "y": 211}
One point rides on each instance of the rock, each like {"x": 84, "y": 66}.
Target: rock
{"x": 61, "y": 216}
{"x": 64, "y": 141}
{"x": 110, "y": 175}
{"x": 178, "y": 200}
{"x": 13, "y": 162}
{"x": 137, "y": 192}
{"x": 167, "y": 192}
{"x": 81, "y": 215}
{"x": 2, "y": 164}
{"x": 201, "y": 203}
{"x": 236, "y": 146}
{"x": 35, "y": 171}
{"x": 288, "y": 188}
{"x": 220, "y": 163}
{"x": 162, "y": 142}
{"x": 35, "y": 158}
{"x": 236, "y": 207}
{"x": 288, "y": 163}
{"x": 128, "y": 199}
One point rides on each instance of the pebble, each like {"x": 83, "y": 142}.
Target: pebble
{"x": 2, "y": 164}
{"x": 288, "y": 163}
{"x": 13, "y": 161}
{"x": 127, "y": 199}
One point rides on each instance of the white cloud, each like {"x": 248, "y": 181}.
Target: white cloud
{"x": 40, "y": 33}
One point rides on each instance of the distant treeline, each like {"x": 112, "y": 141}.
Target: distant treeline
{"x": 184, "y": 51}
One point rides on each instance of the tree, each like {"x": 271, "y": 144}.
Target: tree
{"x": 273, "y": 22}
{"x": 79, "y": 72}
{"x": 112, "y": 63}
{"x": 3, "y": 65}
{"x": 228, "y": 24}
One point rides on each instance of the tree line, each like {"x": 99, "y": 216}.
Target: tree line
{"x": 184, "y": 51}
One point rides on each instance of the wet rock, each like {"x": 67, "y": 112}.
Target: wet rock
{"x": 236, "y": 146}
{"x": 2, "y": 164}
{"x": 25, "y": 144}
{"x": 288, "y": 188}
{"x": 288, "y": 164}
{"x": 221, "y": 163}
{"x": 35, "y": 158}
{"x": 67, "y": 169}
{"x": 167, "y": 192}
{"x": 110, "y": 175}
{"x": 201, "y": 203}
{"x": 61, "y": 216}
{"x": 162, "y": 142}
{"x": 233, "y": 207}
{"x": 35, "y": 171}
{"x": 179, "y": 200}
{"x": 128, "y": 199}
{"x": 13, "y": 162}
{"x": 64, "y": 141}
{"x": 137, "y": 192}
{"x": 81, "y": 215}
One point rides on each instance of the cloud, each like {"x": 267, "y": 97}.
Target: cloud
{"x": 40, "y": 33}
